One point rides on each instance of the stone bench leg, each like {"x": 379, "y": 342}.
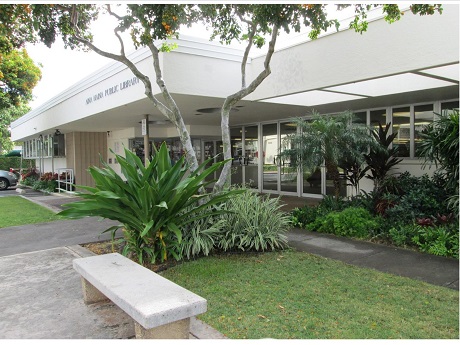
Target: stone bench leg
{"x": 175, "y": 330}
{"x": 90, "y": 293}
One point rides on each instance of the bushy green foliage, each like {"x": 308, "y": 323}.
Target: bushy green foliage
{"x": 414, "y": 197}
{"x": 151, "y": 204}
{"x": 440, "y": 145}
{"x": 254, "y": 223}
{"x": 351, "y": 222}
{"x": 49, "y": 186}
{"x": 29, "y": 181}
{"x": 437, "y": 240}
{"x": 302, "y": 217}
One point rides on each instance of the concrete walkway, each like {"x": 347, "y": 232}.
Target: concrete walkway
{"x": 41, "y": 293}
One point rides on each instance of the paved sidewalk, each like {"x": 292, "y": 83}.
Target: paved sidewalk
{"x": 432, "y": 269}
{"x": 41, "y": 298}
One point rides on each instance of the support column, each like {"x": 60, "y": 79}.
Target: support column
{"x": 90, "y": 293}
{"x": 146, "y": 139}
{"x": 175, "y": 330}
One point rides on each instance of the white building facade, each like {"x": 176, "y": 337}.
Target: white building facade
{"x": 403, "y": 73}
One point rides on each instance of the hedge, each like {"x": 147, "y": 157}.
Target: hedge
{"x": 15, "y": 162}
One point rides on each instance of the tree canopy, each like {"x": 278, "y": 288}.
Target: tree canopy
{"x": 18, "y": 76}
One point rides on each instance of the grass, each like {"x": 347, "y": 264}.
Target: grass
{"x": 293, "y": 295}
{"x": 19, "y": 211}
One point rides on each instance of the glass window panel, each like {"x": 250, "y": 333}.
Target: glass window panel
{"x": 34, "y": 148}
{"x": 312, "y": 181}
{"x": 401, "y": 124}
{"x": 423, "y": 116}
{"x": 59, "y": 145}
{"x": 360, "y": 118}
{"x": 270, "y": 156}
{"x": 449, "y": 106}
{"x": 209, "y": 153}
{"x": 197, "y": 148}
{"x": 251, "y": 156}
{"x": 237, "y": 154}
{"x": 378, "y": 117}
{"x": 288, "y": 171}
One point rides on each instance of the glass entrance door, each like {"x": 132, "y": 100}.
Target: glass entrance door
{"x": 237, "y": 155}
{"x": 251, "y": 156}
{"x": 288, "y": 173}
{"x": 270, "y": 159}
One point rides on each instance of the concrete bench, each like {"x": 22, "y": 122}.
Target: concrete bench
{"x": 160, "y": 308}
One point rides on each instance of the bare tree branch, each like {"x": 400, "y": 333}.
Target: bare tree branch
{"x": 246, "y": 55}
{"x": 174, "y": 113}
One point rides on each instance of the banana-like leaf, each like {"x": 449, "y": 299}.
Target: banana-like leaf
{"x": 147, "y": 228}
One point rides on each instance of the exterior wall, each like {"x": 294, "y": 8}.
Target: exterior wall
{"x": 50, "y": 166}
{"x": 201, "y": 76}
{"x": 349, "y": 56}
{"x": 82, "y": 151}
{"x": 91, "y": 97}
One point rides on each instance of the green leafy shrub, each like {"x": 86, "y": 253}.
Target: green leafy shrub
{"x": 407, "y": 198}
{"x": 29, "y": 181}
{"x": 402, "y": 234}
{"x": 302, "y": 217}
{"x": 329, "y": 204}
{"x": 437, "y": 240}
{"x": 440, "y": 145}
{"x": 151, "y": 204}
{"x": 351, "y": 222}
{"x": 254, "y": 223}
{"x": 49, "y": 186}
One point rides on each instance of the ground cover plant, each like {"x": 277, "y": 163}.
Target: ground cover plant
{"x": 19, "y": 211}
{"x": 407, "y": 211}
{"x": 295, "y": 295}
{"x": 251, "y": 223}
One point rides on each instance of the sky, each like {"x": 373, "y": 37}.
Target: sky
{"x": 62, "y": 68}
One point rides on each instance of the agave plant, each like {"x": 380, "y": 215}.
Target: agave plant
{"x": 152, "y": 204}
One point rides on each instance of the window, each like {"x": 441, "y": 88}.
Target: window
{"x": 59, "y": 145}
{"x": 45, "y": 147}
{"x": 423, "y": 116}
{"x": 402, "y": 125}
{"x": 378, "y": 117}
{"x": 446, "y": 106}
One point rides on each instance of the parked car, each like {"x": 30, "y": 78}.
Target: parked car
{"x": 7, "y": 179}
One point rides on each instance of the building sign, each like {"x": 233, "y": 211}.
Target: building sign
{"x": 112, "y": 90}
{"x": 144, "y": 126}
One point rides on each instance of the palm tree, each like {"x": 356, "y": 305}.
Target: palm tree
{"x": 440, "y": 145}
{"x": 326, "y": 139}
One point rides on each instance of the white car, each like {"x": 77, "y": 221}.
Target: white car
{"x": 7, "y": 179}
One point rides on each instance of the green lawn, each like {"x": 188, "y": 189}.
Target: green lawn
{"x": 297, "y": 295}
{"x": 19, "y": 211}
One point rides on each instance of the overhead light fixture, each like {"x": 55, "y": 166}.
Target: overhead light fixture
{"x": 57, "y": 132}
{"x": 213, "y": 110}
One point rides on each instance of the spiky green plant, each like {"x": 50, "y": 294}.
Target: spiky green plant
{"x": 381, "y": 158}
{"x": 254, "y": 223}
{"x": 201, "y": 236}
{"x": 151, "y": 204}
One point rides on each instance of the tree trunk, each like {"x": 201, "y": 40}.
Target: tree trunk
{"x": 224, "y": 178}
